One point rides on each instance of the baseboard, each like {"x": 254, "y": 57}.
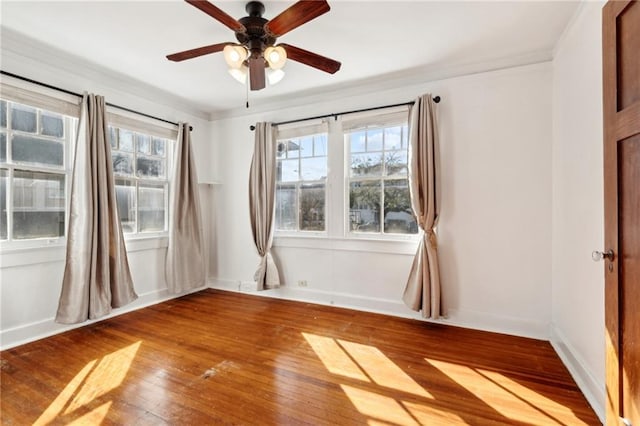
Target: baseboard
{"x": 456, "y": 317}
{"x": 593, "y": 390}
{"x": 31, "y": 332}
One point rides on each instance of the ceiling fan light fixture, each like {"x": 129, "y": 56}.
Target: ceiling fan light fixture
{"x": 274, "y": 76}
{"x": 235, "y": 55}
{"x": 276, "y": 56}
{"x": 240, "y": 74}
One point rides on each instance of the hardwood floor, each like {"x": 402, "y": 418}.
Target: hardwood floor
{"x": 226, "y": 358}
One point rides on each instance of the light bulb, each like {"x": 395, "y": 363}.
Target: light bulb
{"x": 234, "y": 55}
{"x": 240, "y": 74}
{"x": 276, "y": 56}
{"x": 274, "y": 76}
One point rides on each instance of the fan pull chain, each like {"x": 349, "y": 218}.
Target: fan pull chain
{"x": 247, "y": 91}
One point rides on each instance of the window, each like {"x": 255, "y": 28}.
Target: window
{"x": 377, "y": 186}
{"x": 140, "y": 164}
{"x": 34, "y": 144}
{"x": 301, "y": 182}
{"x": 345, "y": 177}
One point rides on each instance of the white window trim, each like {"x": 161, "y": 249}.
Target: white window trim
{"x": 337, "y": 235}
{"x": 55, "y": 105}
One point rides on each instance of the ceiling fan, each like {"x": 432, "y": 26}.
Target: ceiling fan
{"x": 256, "y": 51}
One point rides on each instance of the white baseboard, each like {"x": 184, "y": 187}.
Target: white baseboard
{"x": 26, "y": 333}
{"x": 593, "y": 389}
{"x": 456, "y": 317}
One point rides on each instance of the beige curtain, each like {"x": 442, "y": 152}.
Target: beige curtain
{"x": 422, "y": 292}
{"x": 96, "y": 275}
{"x": 185, "y": 265}
{"x": 262, "y": 192}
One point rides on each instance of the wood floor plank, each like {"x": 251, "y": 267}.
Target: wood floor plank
{"x": 227, "y": 358}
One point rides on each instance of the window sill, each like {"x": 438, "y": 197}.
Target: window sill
{"x": 54, "y": 250}
{"x": 359, "y": 244}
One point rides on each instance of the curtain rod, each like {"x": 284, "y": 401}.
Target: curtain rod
{"x": 69, "y": 92}
{"x": 435, "y": 99}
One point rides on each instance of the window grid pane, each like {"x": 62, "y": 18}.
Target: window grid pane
{"x": 379, "y": 199}
{"x": 33, "y": 180}
{"x": 140, "y": 162}
{"x": 301, "y": 174}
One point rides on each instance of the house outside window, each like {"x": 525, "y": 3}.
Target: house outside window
{"x": 34, "y": 171}
{"x": 301, "y": 179}
{"x": 140, "y": 166}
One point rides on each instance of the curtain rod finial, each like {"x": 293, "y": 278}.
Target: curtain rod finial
{"x": 436, "y": 99}
{"x": 252, "y": 128}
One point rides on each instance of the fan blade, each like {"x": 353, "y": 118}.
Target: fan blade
{"x": 256, "y": 73}
{"x": 298, "y": 14}
{"x": 218, "y": 14}
{"x": 194, "y": 53}
{"x": 312, "y": 59}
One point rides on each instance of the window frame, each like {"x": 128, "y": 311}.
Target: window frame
{"x": 10, "y": 166}
{"x": 337, "y": 224}
{"x": 139, "y": 181}
{"x": 297, "y": 132}
{"x": 382, "y": 178}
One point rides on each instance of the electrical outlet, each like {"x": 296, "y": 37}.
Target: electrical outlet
{"x": 302, "y": 283}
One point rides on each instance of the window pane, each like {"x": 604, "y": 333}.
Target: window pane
{"x": 320, "y": 145}
{"x": 122, "y": 163}
{"x": 113, "y": 138}
{"x": 312, "y": 207}
{"x": 374, "y": 140}
{"x": 149, "y": 167}
{"x": 3, "y": 204}
{"x": 393, "y": 138}
{"x": 364, "y": 206}
{"x": 287, "y": 171}
{"x": 126, "y": 201}
{"x": 51, "y": 125}
{"x": 293, "y": 149}
{"x": 158, "y": 147}
{"x": 3, "y": 114}
{"x": 151, "y": 210}
{"x": 286, "y": 202}
{"x": 24, "y": 118}
{"x": 3, "y": 147}
{"x": 306, "y": 146}
{"x": 396, "y": 163}
{"x": 357, "y": 141}
{"x": 125, "y": 140}
{"x": 366, "y": 164}
{"x": 313, "y": 168}
{"x": 35, "y": 150}
{"x": 38, "y": 205}
{"x": 397, "y": 208}
{"x": 144, "y": 143}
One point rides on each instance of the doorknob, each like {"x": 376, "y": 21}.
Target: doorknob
{"x": 599, "y": 255}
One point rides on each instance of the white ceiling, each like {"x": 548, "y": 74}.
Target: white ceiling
{"x": 374, "y": 40}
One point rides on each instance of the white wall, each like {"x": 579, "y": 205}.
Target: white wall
{"x": 31, "y": 278}
{"x": 495, "y": 228}
{"x": 577, "y": 281}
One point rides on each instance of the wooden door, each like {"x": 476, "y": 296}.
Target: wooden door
{"x": 621, "y": 70}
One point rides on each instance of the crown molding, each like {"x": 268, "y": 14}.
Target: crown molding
{"x": 390, "y": 81}
{"x": 25, "y": 56}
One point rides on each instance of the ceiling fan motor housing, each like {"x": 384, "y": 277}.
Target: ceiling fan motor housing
{"x": 255, "y": 39}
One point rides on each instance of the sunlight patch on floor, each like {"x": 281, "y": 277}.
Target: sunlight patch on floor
{"x": 334, "y": 358}
{"x": 93, "y": 417}
{"x": 97, "y": 378}
{"x": 379, "y": 407}
{"x": 507, "y": 397}
{"x": 381, "y": 369}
